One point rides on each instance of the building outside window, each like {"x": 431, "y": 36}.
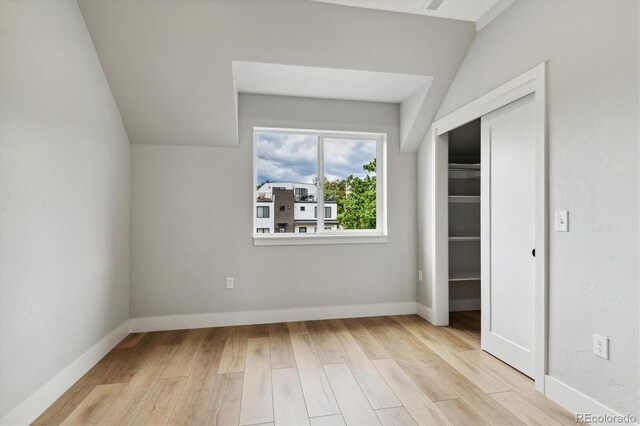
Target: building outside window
{"x": 340, "y": 172}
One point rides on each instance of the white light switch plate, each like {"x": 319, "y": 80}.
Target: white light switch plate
{"x": 230, "y": 282}
{"x": 562, "y": 221}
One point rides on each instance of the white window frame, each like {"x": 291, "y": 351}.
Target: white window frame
{"x": 322, "y": 236}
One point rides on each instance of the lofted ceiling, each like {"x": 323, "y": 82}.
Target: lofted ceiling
{"x": 170, "y": 64}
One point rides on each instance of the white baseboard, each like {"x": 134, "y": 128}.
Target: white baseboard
{"x": 40, "y": 400}
{"x": 577, "y": 402}
{"x": 425, "y": 312}
{"x": 459, "y": 305}
{"x": 218, "y": 319}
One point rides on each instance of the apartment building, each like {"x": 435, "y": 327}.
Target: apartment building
{"x": 292, "y": 207}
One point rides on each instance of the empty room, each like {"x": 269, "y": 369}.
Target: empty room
{"x": 319, "y": 212}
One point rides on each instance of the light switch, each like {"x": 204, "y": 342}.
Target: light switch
{"x": 562, "y": 221}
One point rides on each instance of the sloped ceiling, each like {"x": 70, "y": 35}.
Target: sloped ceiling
{"x": 169, "y": 64}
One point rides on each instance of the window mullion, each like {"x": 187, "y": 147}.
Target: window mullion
{"x": 320, "y": 198}
{"x": 380, "y": 179}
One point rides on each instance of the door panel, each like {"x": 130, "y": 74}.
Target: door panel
{"x": 508, "y": 233}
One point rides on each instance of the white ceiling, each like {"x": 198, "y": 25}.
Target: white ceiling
{"x": 169, "y": 64}
{"x": 463, "y": 10}
{"x": 325, "y": 83}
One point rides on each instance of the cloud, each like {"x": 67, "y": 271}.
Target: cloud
{"x": 288, "y": 157}
{"x": 346, "y": 157}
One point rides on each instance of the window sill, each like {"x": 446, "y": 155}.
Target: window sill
{"x": 303, "y": 240}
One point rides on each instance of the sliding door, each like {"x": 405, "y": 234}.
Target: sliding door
{"x": 508, "y": 233}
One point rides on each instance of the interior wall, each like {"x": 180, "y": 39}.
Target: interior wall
{"x": 64, "y": 197}
{"x": 192, "y": 221}
{"x": 424, "y": 176}
{"x": 592, "y": 51}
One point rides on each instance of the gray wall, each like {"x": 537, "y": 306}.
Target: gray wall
{"x": 592, "y": 53}
{"x": 64, "y": 197}
{"x": 192, "y": 224}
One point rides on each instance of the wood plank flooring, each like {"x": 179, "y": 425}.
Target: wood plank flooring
{"x": 397, "y": 370}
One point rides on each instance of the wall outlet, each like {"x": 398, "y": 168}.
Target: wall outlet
{"x": 601, "y": 346}
{"x": 562, "y": 221}
{"x": 420, "y": 276}
{"x": 229, "y": 282}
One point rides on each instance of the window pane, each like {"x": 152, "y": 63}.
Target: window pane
{"x": 263, "y": 211}
{"x": 350, "y": 183}
{"x": 286, "y": 173}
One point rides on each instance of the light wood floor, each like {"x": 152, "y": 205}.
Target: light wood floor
{"x": 385, "y": 370}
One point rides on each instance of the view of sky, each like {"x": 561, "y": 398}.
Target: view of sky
{"x": 288, "y": 157}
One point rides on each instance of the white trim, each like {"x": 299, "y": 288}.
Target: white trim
{"x": 532, "y": 81}
{"x": 218, "y": 319}
{"x": 574, "y": 400}
{"x": 460, "y": 305}
{"x": 364, "y": 236}
{"x": 320, "y": 213}
{"x": 511, "y": 91}
{"x": 425, "y": 312}
{"x": 303, "y": 240}
{"x": 40, "y": 400}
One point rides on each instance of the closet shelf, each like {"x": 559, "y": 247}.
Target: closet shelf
{"x": 464, "y": 166}
{"x": 464, "y": 198}
{"x": 464, "y": 238}
{"x": 464, "y": 171}
{"x": 464, "y": 277}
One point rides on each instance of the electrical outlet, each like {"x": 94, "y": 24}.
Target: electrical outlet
{"x": 601, "y": 346}
{"x": 420, "y": 276}
{"x": 229, "y": 282}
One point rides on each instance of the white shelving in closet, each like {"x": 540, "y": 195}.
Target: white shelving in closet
{"x": 464, "y": 222}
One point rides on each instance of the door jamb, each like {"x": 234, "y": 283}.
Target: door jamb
{"x": 532, "y": 81}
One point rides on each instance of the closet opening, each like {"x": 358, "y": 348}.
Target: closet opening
{"x": 464, "y": 167}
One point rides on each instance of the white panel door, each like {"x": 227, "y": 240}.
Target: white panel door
{"x": 508, "y": 233}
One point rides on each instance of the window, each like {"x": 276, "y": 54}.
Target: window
{"x": 339, "y": 174}
{"x": 327, "y": 211}
{"x": 263, "y": 212}
{"x": 262, "y": 230}
{"x": 301, "y": 194}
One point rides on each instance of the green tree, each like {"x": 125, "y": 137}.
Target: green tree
{"x": 359, "y": 204}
